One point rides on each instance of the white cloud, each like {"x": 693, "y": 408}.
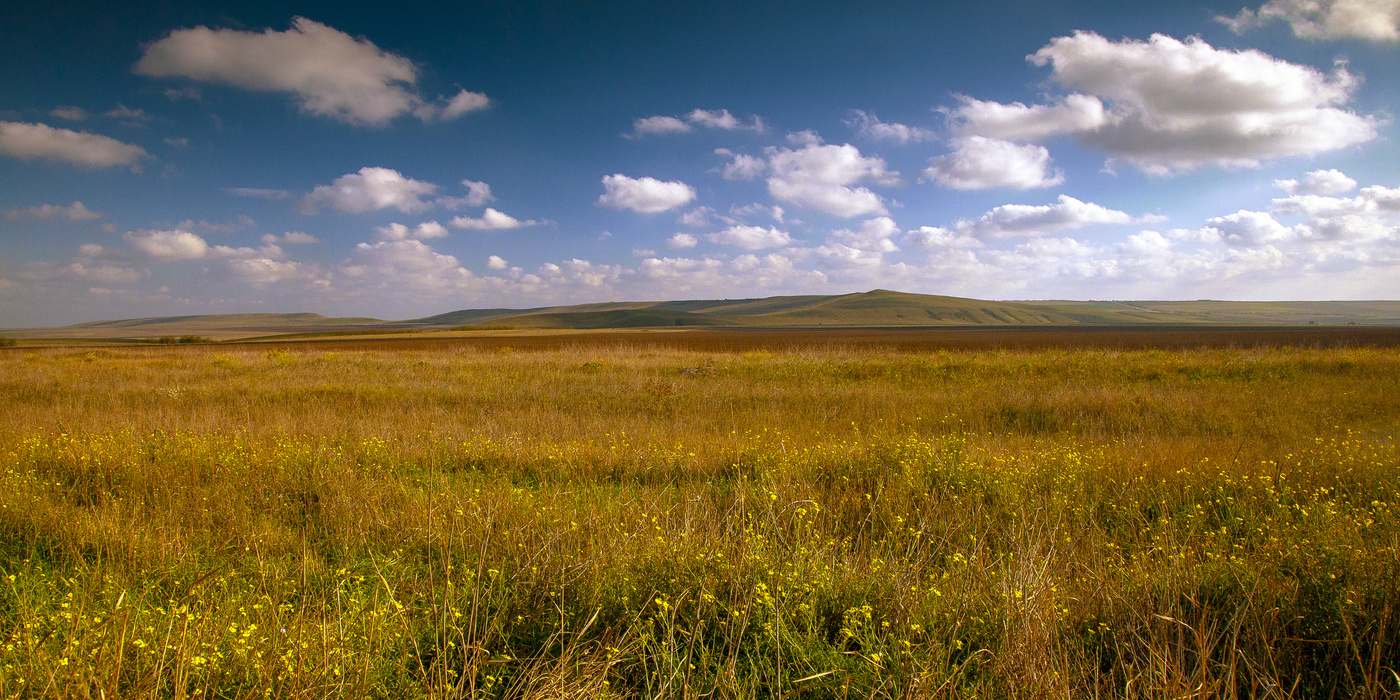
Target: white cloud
{"x": 874, "y": 236}
{"x": 332, "y": 73}
{"x": 1370, "y": 201}
{"x": 207, "y": 227}
{"x": 939, "y": 237}
{"x": 750, "y": 237}
{"x": 1017, "y": 122}
{"x": 696, "y": 218}
{"x": 74, "y": 114}
{"x": 806, "y": 137}
{"x": 1375, "y": 20}
{"x": 646, "y": 194}
{"x": 290, "y": 238}
{"x": 682, "y": 240}
{"x": 261, "y": 271}
{"x": 1318, "y": 182}
{"x": 1370, "y": 216}
{"x": 711, "y": 119}
{"x": 478, "y": 194}
{"x": 722, "y": 119}
{"x": 748, "y": 210}
{"x": 496, "y": 262}
{"x": 167, "y": 246}
{"x": 1037, "y": 220}
{"x": 819, "y": 177}
{"x": 491, "y": 220}
{"x": 659, "y": 124}
{"x": 258, "y": 193}
{"x": 371, "y": 189}
{"x": 131, "y": 116}
{"x": 72, "y": 212}
{"x": 1177, "y": 105}
{"x": 42, "y": 142}
{"x": 99, "y": 271}
{"x": 979, "y": 163}
{"x": 1248, "y": 227}
{"x": 448, "y": 109}
{"x": 741, "y": 167}
{"x": 400, "y": 232}
{"x": 871, "y": 127}
{"x": 404, "y": 267}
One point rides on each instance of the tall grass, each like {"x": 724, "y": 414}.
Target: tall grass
{"x": 641, "y": 522}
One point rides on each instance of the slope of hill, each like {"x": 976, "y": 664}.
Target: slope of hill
{"x": 881, "y": 308}
{"x": 216, "y": 326}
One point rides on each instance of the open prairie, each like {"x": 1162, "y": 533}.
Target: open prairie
{"x": 992, "y": 513}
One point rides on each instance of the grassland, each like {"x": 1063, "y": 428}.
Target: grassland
{"x": 616, "y": 516}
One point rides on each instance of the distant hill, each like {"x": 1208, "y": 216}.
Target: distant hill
{"x": 216, "y": 326}
{"x": 879, "y": 307}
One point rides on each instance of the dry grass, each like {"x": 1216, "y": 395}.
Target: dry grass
{"x": 641, "y": 521}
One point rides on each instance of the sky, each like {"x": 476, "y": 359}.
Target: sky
{"x": 169, "y": 158}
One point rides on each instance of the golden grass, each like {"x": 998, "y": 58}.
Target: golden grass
{"x": 641, "y": 521}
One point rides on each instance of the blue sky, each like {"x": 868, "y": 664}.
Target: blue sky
{"x": 180, "y": 158}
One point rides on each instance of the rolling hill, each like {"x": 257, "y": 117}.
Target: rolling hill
{"x": 877, "y": 308}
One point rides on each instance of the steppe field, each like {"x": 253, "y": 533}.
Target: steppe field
{"x": 705, "y": 514}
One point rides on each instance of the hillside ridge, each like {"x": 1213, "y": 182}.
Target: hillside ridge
{"x": 875, "y": 308}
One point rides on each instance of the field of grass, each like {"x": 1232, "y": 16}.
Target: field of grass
{"x": 604, "y": 520}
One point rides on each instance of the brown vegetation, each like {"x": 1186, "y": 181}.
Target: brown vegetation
{"x": 704, "y": 513}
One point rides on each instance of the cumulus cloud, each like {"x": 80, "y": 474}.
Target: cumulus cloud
{"x": 1176, "y": 105}
{"x": 1318, "y": 182}
{"x": 1037, "y": 220}
{"x": 258, "y": 193}
{"x": 739, "y": 213}
{"x": 478, "y": 194}
{"x": 820, "y": 177}
{"x": 400, "y": 232}
{"x": 491, "y": 220}
{"x": 75, "y": 114}
{"x": 71, "y": 212}
{"x": 741, "y": 166}
{"x": 28, "y": 141}
{"x": 750, "y": 237}
{"x": 496, "y": 262}
{"x": 697, "y": 217}
{"x": 940, "y": 237}
{"x": 1374, "y": 20}
{"x": 710, "y": 119}
{"x": 402, "y": 265}
{"x": 331, "y": 73}
{"x": 1373, "y": 199}
{"x": 371, "y": 189}
{"x": 682, "y": 240}
{"x": 874, "y": 236}
{"x": 290, "y": 238}
{"x": 102, "y": 271}
{"x": 870, "y": 126}
{"x": 132, "y": 117}
{"x": 1247, "y": 227}
{"x": 659, "y": 124}
{"x": 448, "y": 109}
{"x": 167, "y": 246}
{"x": 1018, "y": 122}
{"x": 259, "y": 271}
{"x": 978, "y": 162}
{"x": 646, "y": 195}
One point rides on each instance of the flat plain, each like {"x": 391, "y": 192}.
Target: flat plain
{"x": 987, "y": 513}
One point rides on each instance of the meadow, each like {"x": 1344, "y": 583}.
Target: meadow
{"x": 619, "y": 519}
